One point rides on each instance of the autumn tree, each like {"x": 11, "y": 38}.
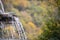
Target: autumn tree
{"x": 52, "y": 27}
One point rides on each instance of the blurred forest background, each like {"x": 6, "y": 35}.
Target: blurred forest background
{"x": 40, "y": 18}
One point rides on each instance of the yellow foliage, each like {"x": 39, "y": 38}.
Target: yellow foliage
{"x": 23, "y": 3}
{"x": 30, "y": 36}
{"x": 23, "y": 22}
{"x": 40, "y": 31}
{"x": 16, "y": 11}
{"x": 32, "y": 25}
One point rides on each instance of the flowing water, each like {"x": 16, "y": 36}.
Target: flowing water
{"x": 1, "y": 4}
{"x": 18, "y": 26}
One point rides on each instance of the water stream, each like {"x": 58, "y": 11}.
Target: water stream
{"x": 19, "y": 27}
